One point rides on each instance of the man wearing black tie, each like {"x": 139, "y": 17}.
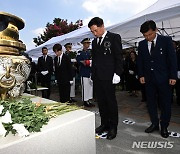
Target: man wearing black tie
{"x": 157, "y": 69}
{"x": 45, "y": 68}
{"x": 106, "y": 71}
{"x": 63, "y": 73}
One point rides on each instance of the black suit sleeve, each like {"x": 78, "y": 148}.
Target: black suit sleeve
{"x": 50, "y": 68}
{"x": 172, "y": 63}
{"x": 140, "y": 64}
{"x": 118, "y": 54}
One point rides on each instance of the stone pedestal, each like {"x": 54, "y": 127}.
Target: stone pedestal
{"x": 70, "y": 133}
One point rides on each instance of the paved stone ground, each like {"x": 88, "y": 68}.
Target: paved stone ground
{"x": 132, "y": 109}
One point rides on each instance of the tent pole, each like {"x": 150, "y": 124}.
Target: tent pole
{"x": 162, "y": 28}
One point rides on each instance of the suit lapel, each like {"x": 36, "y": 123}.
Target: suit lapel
{"x": 157, "y": 42}
{"x": 105, "y": 38}
{"x": 62, "y": 60}
{"x": 146, "y": 47}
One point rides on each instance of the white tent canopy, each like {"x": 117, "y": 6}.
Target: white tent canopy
{"x": 74, "y": 37}
{"x": 166, "y": 13}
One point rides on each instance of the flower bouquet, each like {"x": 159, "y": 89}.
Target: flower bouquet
{"x": 22, "y": 116}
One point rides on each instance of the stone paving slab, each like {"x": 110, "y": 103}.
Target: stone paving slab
{"x": 132, "y": 109}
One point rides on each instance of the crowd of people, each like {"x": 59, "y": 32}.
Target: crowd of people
{"x": 154, "y": 69}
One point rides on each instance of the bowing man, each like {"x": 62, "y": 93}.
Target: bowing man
{"x": 63, "y": 73}
{"x": 157, "y": 69}
{"x": 106, "y": 70}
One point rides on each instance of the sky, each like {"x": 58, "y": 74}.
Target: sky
{"x": 37, "y": 13}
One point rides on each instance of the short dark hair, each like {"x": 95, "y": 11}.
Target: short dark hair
{"x": 44, "y": 48}
{"x": 146, "y": 26}
{"x": 96, "y": 21}
{"x": 57, "y": 47}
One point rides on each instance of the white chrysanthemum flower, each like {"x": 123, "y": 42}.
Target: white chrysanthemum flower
{"x": 2, "y": 130}
{"x": 1, "y": 108}
{"x": 6, "y": 118}
{"x": 21, "y": 130}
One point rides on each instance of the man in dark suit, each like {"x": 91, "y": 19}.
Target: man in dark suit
{"x": 63, "y": 73}
{"x": 106, "y": 71}
{"x": 45, "y": 69}
{"x": 157, "y": 69}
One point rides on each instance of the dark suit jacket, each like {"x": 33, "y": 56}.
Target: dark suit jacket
{"x": 63, "y": 72}
{"x": 178, "y": 58}
{"x": 162, "y": 62}
{"x": 107, "y": 59}
{"x": 45, "y": 66}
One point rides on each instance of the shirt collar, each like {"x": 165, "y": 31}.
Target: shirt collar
{"x": 61, "y": 55}
{"x": 104, "y": 34}
{"x": 153, "y": 40}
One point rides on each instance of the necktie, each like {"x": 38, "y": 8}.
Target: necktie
{"x": 44, "y": 57}
{"x": 59, "y": 61}
{"x": 152, "y": 47}
{"x": 99, "y": 42}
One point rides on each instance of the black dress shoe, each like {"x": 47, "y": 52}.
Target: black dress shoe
{"x": 152, "y": 128}
{"x": 101, "y": 129}
{"x": 112, "y": 134}
{"x": 164, "y": 132}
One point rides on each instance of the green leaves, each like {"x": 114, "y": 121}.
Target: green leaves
{"x": 32, "y": 115}
{"x": 23, "y": 111}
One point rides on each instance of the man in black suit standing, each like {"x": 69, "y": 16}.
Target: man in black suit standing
{"x": 106, "y": 71}
{"x": 63, "y": 73}
{"x": 157, "y": 69}
{"x": 45, "y": 69}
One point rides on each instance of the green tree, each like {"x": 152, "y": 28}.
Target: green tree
{"x": 57, "y": 28}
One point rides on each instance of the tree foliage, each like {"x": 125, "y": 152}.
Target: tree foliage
{"x": 57, "y": 28}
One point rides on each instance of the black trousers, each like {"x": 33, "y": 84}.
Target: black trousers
{"x": 46, "y": 82}
{"x": 177, "y": 87}
{"x": 162, "y": 94}
{"x": 64, "y": 92}
{"x": 107, "y": 103}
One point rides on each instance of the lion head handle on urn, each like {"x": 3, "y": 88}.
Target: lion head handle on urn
{"x": 14, "y": 67}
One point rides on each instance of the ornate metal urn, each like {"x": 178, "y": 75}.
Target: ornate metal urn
{"x": 14, "y": 66}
